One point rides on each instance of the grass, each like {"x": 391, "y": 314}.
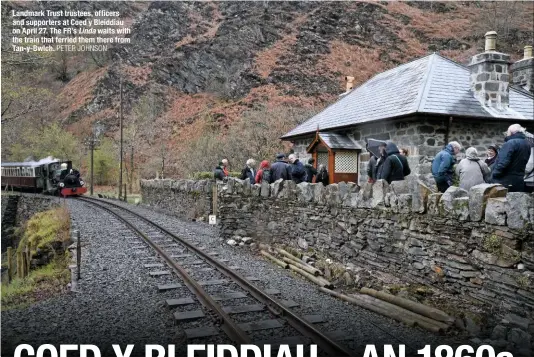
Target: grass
{"x": 42, "y": 283}
{"x": 43, "y": 230}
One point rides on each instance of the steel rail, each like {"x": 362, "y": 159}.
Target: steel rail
{"x": 228, "y": 325}
{"x": 276, "y": 307}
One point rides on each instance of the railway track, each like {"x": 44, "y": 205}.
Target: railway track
{"x": 212, "y": 282}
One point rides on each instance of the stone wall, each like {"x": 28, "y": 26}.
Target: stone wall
{"x": 478, "y": 243}
{"x": 17, "y": 209}
{"x": 187, "y": 199}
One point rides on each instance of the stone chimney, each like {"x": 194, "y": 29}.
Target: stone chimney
{"x": 489, "y": 75}
{"x": 349, "y": 80}
{"x": 523, "y": 71}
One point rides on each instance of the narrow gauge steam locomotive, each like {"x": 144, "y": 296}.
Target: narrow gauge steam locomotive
{"x": 53, "y": 177}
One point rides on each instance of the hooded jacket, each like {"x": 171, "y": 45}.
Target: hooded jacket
{"x": 395, "y": 167}
{"x": 509, "y": 168}
{"x": 471, "y": 170}
{"x": 442, "y": 165}
{"x": 264, "y": 166}
{"x": 310, "y": 172}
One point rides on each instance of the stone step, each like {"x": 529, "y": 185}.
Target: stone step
{"x": 178, "y": 302}
{"x": 228, "y": 296}
{"x": 272, "y": 291}
{"x": 212, "y": 282}
{"x": 188, "y": 315}
{"x": 201, "y": 332}
{"x": 289, "y": 303}
{"x": 261, "y": 325}
{"x": 166, "y": 287}
{"x": 159, "y": 273}
{"x": 243, "y": 308}
{"x": 313, "y": 319}
{"x": 153, "y": 265}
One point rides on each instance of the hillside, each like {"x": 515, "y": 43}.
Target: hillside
{"x": 195, "y": 69}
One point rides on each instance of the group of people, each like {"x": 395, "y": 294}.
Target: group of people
{"x": 391, "y": 165}
{"x": 284, "y": 167}
{"x": 512, "y": 165}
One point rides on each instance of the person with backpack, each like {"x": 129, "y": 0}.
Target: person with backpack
{"x": 471, "y": 170}
{"x": 311, "y": 172}
{"x": 442, "y": 165}
{"x": 511, "y": 162}
{"x": 395, "y": 166}
{"x": 280, "y": 169}
{"x": 264, "y": 173}
{"x": 298, "y": 174}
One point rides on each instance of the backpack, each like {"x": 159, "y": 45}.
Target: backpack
{"x": 266, "y": 176}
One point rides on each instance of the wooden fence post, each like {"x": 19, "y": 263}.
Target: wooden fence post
{"x": 9, "y": 264}
{"x": 19, "y": 265}
{"x": 214, "y": 194}
{"x": 28, "y": 258}
{"x": 78, "y": 253}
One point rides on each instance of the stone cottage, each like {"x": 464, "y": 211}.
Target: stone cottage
{"x": 421, "y": 105}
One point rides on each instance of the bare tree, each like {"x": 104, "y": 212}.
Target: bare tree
{"x": 140, "y": 129}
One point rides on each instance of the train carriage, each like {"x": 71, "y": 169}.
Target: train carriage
{"x": 52, "y": 177}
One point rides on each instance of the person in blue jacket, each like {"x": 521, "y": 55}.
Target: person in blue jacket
{"x": 509, "y": 167}
{"x": 442, "y": 166}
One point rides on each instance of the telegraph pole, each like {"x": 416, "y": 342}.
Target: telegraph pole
{"x": 92, "y": 144}
{"x": 120, "y": 162}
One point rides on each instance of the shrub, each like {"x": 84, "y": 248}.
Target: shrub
{"x": 204, "y": 175}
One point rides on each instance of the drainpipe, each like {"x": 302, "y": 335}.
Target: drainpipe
{"x": 448, "y": 129}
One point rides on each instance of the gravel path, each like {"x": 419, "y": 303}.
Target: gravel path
{"x": 119, "y": 302}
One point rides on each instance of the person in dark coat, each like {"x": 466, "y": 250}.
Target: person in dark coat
{"x": 322, "y": 176}
{"x": 218, "y": 174}
{"x": 442, "y": 165}
{"x": 311, "y": 172}
{"x": 298, "y": 173}
{"x": 395, "y": 167}
{"x": 491, "y": 155}
{"x": 379, "y": 162}
{"x": 280, "y": 169}
{"x": 509, "y": 167}
{"x": 371, "y": 169}
{"x": 248, "y": 172}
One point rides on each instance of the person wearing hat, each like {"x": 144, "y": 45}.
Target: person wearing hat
{"x": 491, "y": 155}
{"x": 280, "y": 169}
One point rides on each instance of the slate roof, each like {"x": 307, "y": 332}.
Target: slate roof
{"x": 339, "y": 141}
{"x": 429, "y": 85}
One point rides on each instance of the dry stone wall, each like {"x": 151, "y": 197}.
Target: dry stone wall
{"x": 478, "y": 243}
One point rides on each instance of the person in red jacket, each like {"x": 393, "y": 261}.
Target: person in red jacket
{"x": 264, "y": 172}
